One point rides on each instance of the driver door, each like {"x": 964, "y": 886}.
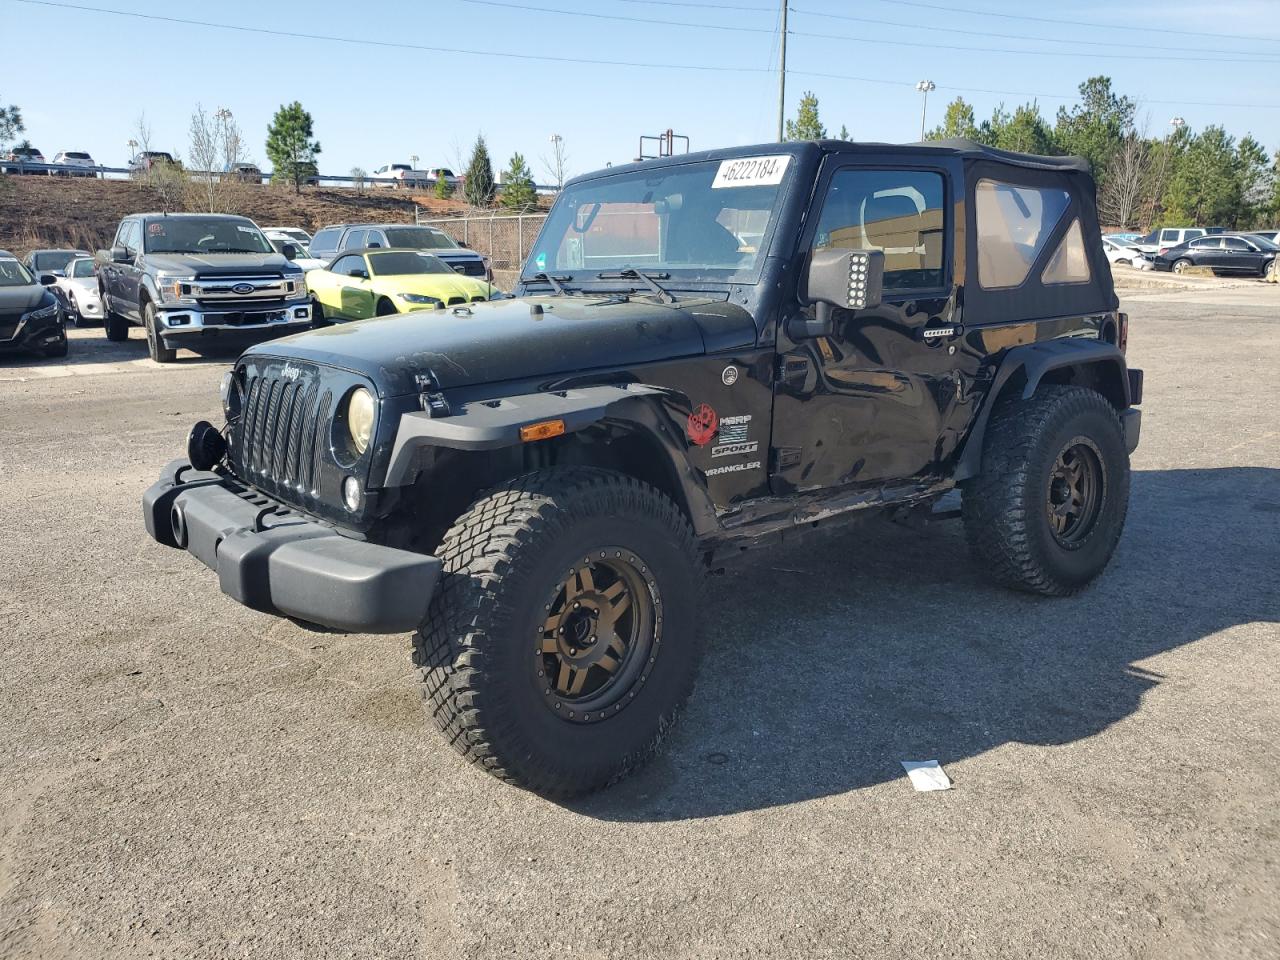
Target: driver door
{"x": 872, "y": 401}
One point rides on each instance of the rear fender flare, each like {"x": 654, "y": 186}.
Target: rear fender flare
{"x": 1104, "y": 362}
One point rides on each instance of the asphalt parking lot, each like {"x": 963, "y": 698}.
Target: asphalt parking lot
{"x": 180, "y": 777}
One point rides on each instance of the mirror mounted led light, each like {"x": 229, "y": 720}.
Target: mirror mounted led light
{"x": 839, "y": 279}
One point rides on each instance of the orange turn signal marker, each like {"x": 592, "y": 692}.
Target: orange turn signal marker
{"x": 542, "y": 431}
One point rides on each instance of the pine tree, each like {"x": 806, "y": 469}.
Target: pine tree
{"x": 479, "y": 188}
{"x": 10, "y": 124}
{"x": 444, "y": 189}
{"x": 958, "y": 121}
{"x": 517, "y": 186}
{"x": 806, "y": 125}
{"x": 289, "y": 146}
{"x": 844, "y": 133}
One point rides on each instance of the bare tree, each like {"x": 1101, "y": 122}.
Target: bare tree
{"x": 233, "y": 148}
{"x": 205, "y": 155}
{"x": 142, "y": 133}
{"x": 1122, "y": 190}
{"x": 557, "y": 164}
{"x": 358, "y": 177}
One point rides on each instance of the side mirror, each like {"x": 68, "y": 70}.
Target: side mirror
{"x": 48, "y": 279}
{"x": 121, "y": 255}
{"x": 360, "y": 273}
{"x": 289, "y": 251}
{"x": 843, "y": 279}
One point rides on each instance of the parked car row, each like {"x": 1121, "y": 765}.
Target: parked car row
{"x": 71, "y": 163}
{"x": 1248, "y": 254}
{"x": 187, "y": 277}
{"x": 404, "y": 175}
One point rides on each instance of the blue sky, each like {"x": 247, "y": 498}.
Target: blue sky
{"x": 83, "y": 77}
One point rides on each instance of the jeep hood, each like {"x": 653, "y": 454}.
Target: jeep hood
{"x": 219, "y": 264}
{"x": 517, "y": 339}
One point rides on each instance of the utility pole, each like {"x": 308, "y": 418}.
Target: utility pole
{"x": 924, "y": 86}
{"x": 782, "y": 75}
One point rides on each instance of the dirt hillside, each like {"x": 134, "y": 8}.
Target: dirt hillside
{"x": 47, "y": 212}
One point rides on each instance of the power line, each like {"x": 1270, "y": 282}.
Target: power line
{"x": 701, "y": 6}
{"x": 508, "y": 5}
{"x": 396, "y": 44}
{"x": 616, "y": 17}
{"x": 392, "y": 44}
{"x": 1024, "y": 53}
{"x": 948, "y": 8}
{"x": 1013, "y": 36}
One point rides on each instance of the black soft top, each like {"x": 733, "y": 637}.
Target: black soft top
{"x": 965, "y": 149}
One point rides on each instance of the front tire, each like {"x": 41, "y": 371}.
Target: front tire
{"x": 562, "y": 640}
{"x": 1181, "y": 266}
{"x": 155, "y": 346}
{"x": 385, "y": 308}
{"x": 114, "y": 326}
{"x": 1047, "y": 510}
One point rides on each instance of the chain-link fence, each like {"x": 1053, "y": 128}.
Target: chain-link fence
{"x": 504, "y": 238}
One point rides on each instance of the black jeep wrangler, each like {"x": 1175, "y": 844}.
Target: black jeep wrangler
{"x": 703, "y": 352}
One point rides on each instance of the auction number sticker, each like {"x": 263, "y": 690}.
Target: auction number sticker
{"x": 751, "y": 172}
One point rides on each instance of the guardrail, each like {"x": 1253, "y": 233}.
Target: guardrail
{"x": 70, "y": 171}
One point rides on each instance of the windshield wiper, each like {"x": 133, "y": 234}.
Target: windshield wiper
{"x": 649, "y": 280}
{"x": 556, "y": 282}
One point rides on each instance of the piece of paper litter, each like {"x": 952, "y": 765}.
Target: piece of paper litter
{"x": 926, "y": 775}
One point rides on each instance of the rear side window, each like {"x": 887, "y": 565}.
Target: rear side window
{"x": 354, "y": 240}
{"x": 1013, "y": 224}
{"x": 898, "y": 211}
{"x": 1069, "y": 263}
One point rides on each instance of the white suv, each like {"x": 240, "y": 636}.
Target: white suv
{"x": 1161, "y": 239}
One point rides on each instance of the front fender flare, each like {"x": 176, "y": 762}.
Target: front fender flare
{"x": 1034, "y": 361}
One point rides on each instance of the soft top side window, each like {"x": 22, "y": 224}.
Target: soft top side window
{"x": 1069, "y": 263}
{"x": 898, "y": 211}
{"x": 1013, "y": 225}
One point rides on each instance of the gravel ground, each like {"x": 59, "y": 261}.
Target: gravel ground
{"x": 180, "y": 777}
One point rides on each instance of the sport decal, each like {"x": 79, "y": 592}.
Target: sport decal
{"x": 702, "y": 424}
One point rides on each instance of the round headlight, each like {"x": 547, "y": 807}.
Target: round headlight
{"x": 360, "y": 417}
{"x": 229, "y": 392}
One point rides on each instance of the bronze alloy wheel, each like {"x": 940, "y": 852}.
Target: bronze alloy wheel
{"x": 600, "y": 638}
{"x": 1077, "y": 486}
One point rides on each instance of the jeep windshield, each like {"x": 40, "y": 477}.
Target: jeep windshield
{"x": 706, "y": 220}
{"x": 201, "y": 235}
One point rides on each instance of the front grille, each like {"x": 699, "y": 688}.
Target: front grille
{"x": 283, "y": 433}
{"x": 9, "y": 325}
{"x": 266, "y": 289}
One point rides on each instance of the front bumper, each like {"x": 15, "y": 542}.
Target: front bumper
{"x": 32, "y": 333}
{"x": 279, "y": 562}
{"x": 179, "y": 324}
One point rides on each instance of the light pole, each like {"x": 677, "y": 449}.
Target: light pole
{"x": 558, "y": 156}
{"x": 133, "y": 148}
{"x": 924, "y": 86}
{"x": 1177, "y": 123}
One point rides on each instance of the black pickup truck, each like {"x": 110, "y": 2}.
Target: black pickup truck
{"x": 187, "y": 277}
{"x": 705, "y": 353}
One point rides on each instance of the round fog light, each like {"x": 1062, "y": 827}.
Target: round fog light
{"x": 351, "y": 493}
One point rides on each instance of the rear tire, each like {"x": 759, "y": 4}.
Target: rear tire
{"x": 115, "y": 326}
{"x": 155, "y": 346}
{"x": 1047, "y": 510}
{"x": 532, "y": 563}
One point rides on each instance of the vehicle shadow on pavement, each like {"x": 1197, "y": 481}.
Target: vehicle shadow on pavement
{"x": 830, "y": 662}
{"x": 86, "y": 350}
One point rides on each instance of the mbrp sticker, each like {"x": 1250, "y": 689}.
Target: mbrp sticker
{"x": 751, "y": 172}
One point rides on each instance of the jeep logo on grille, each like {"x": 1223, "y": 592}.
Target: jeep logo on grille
{"x": 243, "y": 288}
{"x": 290, "y": 372}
